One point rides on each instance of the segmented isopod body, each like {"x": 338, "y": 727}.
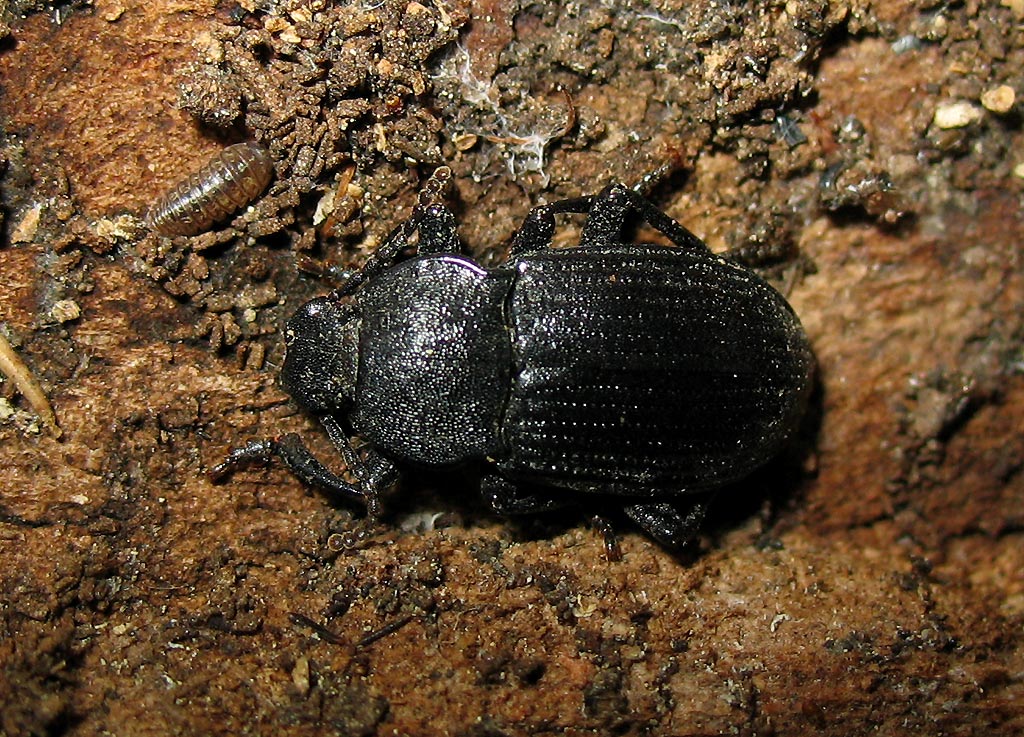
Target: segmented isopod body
{"x": 229, "y": 182}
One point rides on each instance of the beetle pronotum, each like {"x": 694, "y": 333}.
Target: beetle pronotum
{"x": 226, "y": 184}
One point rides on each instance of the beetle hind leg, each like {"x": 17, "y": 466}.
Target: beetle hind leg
{"x": 666, "y": 523}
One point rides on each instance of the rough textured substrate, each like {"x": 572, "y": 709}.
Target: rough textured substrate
{"x": 872, "y": 581}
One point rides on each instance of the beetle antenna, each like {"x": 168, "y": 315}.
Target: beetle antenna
{"x": 652, "y": 179}
{"x": 435, "y": 190}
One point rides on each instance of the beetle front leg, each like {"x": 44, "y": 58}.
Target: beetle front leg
{"x": 302, "y": 463}
{"x": 538, "y": 229}
{"x": 375, "y": 472}
{"x": 611, "y": 207}
{"x": 431, "y": 218}
{"x": 666, "y": 524}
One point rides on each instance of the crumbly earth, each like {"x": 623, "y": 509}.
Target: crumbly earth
{"x": 869, "y": 155}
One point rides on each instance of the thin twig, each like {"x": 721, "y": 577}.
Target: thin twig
{"x": 25, "y": 382}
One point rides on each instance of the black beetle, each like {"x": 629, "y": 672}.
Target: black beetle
{"x": 648, "y": 373}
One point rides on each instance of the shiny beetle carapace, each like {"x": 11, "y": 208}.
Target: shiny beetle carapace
{"x": 648, "y": 374}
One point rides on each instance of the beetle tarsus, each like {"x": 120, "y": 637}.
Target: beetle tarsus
{"x": 612, "y": 551}
{"x": 255, "y": 452}
{"x": 675, "y": 160}
{"x": 436, "y": 187}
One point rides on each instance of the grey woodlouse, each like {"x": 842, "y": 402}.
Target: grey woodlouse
{"x": 228, "y": 182}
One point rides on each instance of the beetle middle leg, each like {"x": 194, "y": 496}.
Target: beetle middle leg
{"x": 606, "y": 215}
{"x": 666, "y": 523}
{"x": 508, "y": 498}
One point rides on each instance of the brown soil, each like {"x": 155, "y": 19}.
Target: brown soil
{"x": 869, "y": 581}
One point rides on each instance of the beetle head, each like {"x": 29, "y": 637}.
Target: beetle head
{"x": 323, "y": 354}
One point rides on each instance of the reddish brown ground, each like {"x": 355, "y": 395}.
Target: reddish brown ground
{"x": 869, "y": 582}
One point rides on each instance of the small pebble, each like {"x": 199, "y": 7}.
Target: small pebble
{"x": 906, "y": 43}
{"x": 65, "y": 310}
{"x": 956, "y": 115}
{"x": 1018, "y": 171}
{"x": 25, "y": 230}
{"x": 998, "y": 99}
{"x": 300, "y": 675}
{"x": 1016, "y": 6}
